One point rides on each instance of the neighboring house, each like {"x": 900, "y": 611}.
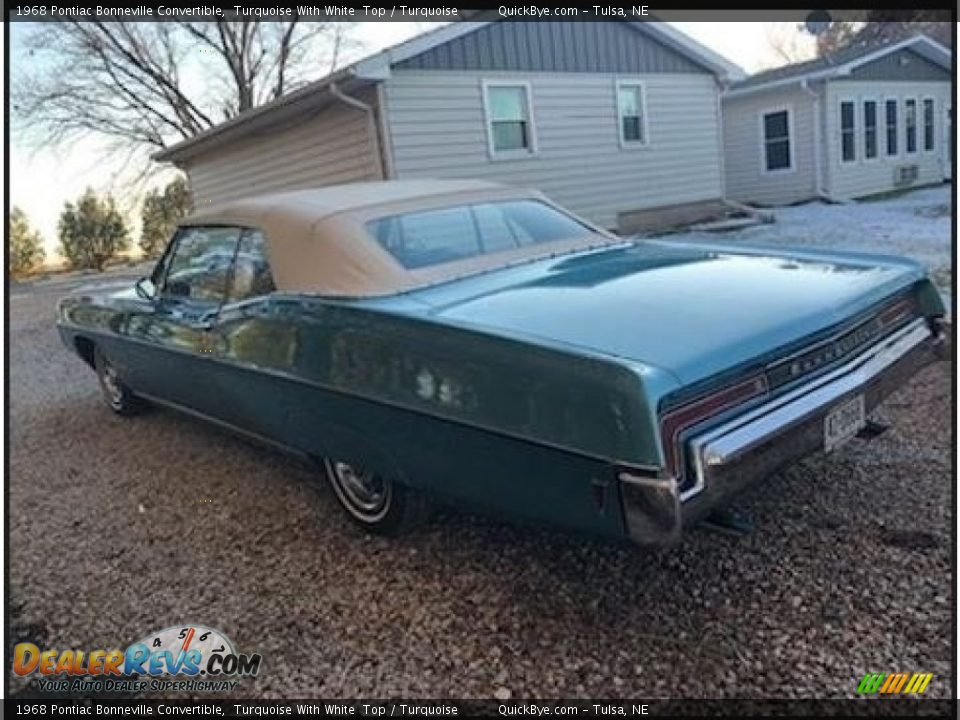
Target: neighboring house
{"x": 607, "y": 118}
{"x": 859, "y": 122}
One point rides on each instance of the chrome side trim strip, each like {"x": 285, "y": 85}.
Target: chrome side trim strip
{"x": 224, "y": 425}
{"x": 725, "y": 443}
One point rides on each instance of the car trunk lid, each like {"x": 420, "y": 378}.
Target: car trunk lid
{"x": 695, "y": 310}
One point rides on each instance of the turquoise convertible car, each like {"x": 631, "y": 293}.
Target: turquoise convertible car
{"x": 474, "y": 342}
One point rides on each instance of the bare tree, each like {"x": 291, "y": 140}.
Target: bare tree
{"x": 884, "y": 26}
{"x": 837, "y": 36}
{"x": 145, "y": 86}
{"x": 893, "y": 25}
{"x": 788, "y": 42}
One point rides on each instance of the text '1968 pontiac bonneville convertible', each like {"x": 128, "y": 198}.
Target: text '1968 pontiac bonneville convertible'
{"x": 478, "y": 343}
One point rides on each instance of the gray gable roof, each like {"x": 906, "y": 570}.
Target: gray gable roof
{"x": 558, "y": 46}
{"x": 843, "y": 62}
{"x": 378, "y": 67}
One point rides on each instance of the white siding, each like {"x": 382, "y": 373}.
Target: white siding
{"x": 866, "y": 177}
{"x": 744, "y": 153}
{"x": 335, "y": 146}
{"x": 437, "y": 129}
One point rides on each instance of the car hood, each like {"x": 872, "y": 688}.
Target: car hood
{"x": 694, "y": 310}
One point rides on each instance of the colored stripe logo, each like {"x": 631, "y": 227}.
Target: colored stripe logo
{"x": 894, "y": 683}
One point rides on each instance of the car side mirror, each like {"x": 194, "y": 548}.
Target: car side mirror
{"x": 146, "y": 289}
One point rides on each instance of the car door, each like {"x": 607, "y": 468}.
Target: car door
{"x": 260, "y": 345}
{"x": 175, "y": 337}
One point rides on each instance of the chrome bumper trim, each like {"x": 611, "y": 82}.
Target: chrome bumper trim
{"x": 651, "y": 509}
{"x": 728, "y": 442}
{"x": 757, "y": 443}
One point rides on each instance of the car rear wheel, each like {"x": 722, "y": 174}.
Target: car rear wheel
{"x": 375, "y": 503}
{"x": 116, "y": 395}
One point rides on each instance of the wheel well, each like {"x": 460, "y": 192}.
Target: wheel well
{"x": 85, "y": 350}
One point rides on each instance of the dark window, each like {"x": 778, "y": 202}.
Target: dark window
{"x": 201, "y": 263}
{"x": 892, "y": 127}
{"x": 910, "y": 124}
{"x": 509, "y": 111}
{"x": 432, "y": 237}
{"x": 950, "y": 138}
{"x": 776, "y": 140}
{"x": 869, "y": 128}
{"x": 251, "y": 272}
{"x": 848, "y": 132}
{"x": 928, "y": 124}
{"x": 630, "y": 108}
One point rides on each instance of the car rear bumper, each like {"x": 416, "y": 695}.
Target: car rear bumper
{"x": 741, "y": 451}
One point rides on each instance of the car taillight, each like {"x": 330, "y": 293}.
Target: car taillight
{"x": 674, "y": 422}
{"x": 897, "y": 313}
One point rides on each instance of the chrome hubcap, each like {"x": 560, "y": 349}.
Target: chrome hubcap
{"x": 364, "y": 489}
{"x": 112, "y": 385}
{"x": 365, "y": 495}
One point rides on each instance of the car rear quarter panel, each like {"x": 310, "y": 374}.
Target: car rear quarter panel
{"x": 494, "y": 421}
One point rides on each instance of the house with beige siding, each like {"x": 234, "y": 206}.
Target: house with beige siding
{"x": 863, "y": 121}
{"x": 611, "y": 119}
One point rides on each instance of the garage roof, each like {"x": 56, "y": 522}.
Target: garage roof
{"x": 841, "y": 63}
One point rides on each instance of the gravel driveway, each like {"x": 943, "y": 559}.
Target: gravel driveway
{"x": 120, "y": 527}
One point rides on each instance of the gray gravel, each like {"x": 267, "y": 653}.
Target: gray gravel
{"x": 119, "y": 527}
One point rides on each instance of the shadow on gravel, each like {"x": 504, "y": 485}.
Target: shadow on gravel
{"x": 909, "y": 539}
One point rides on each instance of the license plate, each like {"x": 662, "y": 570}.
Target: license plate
{"x": 843, "y": 422}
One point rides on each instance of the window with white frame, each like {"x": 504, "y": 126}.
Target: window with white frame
{"x": 776, "y": 140}
{"x": 929, "y": 124}
{"x": 891, "y": 126}
{"x": 509, "y": 118}
{"x": 869, "y": 129}
{"x": 848, "y": 131}
{"x": 631, "y": 113}
{"x": 910, "y": 125}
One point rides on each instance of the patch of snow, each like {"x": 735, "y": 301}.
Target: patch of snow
{"x": 915, "y": 224}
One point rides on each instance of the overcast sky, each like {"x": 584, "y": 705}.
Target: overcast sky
{"x": 40, "y": 182}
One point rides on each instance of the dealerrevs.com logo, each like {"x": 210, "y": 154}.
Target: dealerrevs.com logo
{"x": 900, "y": 683}
{"x": 185, "y": 657}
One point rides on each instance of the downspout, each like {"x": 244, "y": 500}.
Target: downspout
{"x": 737, "y": 206}
{"x": 818, "y": 147}
{"x": 372, "y": 126}
{"x": 721, "y": 89}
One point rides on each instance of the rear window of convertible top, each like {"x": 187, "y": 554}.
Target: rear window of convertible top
{"x": 432, "y": 237}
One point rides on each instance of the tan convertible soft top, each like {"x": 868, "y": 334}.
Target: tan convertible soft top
{"x": 317, "y": 242}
